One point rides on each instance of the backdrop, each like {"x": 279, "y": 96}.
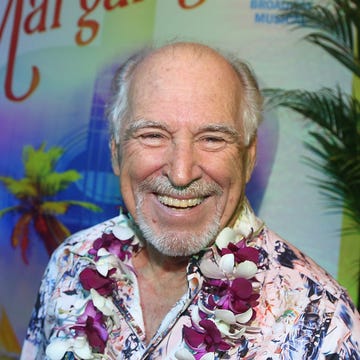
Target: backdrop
{"x": 56, "y": 61}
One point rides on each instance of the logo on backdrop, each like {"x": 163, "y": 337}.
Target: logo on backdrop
{"x": 266, "y": 11}
{"x": 46, "y": 17}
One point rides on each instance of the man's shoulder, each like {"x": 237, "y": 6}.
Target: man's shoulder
{"x": 281, "y": 258}
{"x": 302, "y": 308}
{"x": 82, "y": 240}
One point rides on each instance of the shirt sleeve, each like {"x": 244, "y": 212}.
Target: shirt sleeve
{"x": 40, "y": 324}
{"x": 342, "y": 340}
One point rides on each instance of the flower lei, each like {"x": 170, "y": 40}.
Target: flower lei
{"x": 87, "y": 338}
{"x": 228, "y": 296}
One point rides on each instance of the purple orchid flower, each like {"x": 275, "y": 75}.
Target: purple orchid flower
{"x": 91, "y": 324}
{"x": 120, "y": 248}
{"x": 241, "y": 252}
{"x": 236, "y": 295}
{"x": 92, "y": 279}
{"x": 204, "y": 339}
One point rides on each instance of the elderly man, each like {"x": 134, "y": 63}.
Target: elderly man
{"x": 190, "y": 272}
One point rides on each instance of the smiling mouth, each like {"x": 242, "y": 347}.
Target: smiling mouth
{"x": 179, "y": 203}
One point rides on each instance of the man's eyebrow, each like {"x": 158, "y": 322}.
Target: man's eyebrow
{"x": 141, "y": 124}
{"x": 230, "y": 130}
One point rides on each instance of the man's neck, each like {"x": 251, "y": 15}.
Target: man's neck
{"x": 162, "y": 282}
{"x": 151, "y": 262}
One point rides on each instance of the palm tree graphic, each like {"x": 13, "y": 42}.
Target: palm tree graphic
{"x": 35, "y": 192}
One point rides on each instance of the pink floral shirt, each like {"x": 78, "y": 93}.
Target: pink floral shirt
{"x": 301, "y": 313}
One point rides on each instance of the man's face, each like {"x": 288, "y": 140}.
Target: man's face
{"x": 183, "y": 165}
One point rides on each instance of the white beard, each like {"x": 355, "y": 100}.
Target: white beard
{"x": 177, "y": 243}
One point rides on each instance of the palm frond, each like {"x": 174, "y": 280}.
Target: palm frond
{"x": 54, "y": 182}
{"x": 60, "y": 207}
{"x": 341, "y": 53}
{"x": 19, "y": 188}
{"x": 331, "y": 18}
{"x": 9, "y": 209}
{"x": 340, "y": 187}
{"x": 86, "y": 205}
{"x": 21, "y": 229}
{"x": 330, "y": 109}
{"x": 334, "y": 140}
{"x": 39, "y": 163}
{"x": 334, "y": 24}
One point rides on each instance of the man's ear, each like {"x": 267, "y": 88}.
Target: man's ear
{"x": 115, "y": 161}
{"x": 251, "y": 158}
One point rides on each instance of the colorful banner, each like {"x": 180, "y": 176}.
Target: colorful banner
{"x": 57, "y": 58}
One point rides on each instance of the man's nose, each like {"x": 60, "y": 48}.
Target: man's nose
{"x": 183, "y": 166}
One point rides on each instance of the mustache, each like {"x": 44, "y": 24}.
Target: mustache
{"x": 197, "y": 188}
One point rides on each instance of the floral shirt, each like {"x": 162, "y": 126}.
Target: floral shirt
{"x": 298, "y": 310}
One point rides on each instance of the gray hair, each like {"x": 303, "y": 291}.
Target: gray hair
{"x": 118, "y": 106}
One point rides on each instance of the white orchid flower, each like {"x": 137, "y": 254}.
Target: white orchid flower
{"x": 227, "y": 263}
{"x": 122, "y": 232}
{"x": 227, "y": 324}
{"x": 244, "y": 317}
{"x": 246, "y": 269}
{"x": 82, "y": 348}
{"x": 105, "y": 262}
{"x": 208, "y": 356}
{"x": 184, "y": 354}
{"x": 231, "y": 332}
{"x": 222, "y": 326}
{"x": 210, "y": 269}
{"x": 195, "y": 316}
{"x": 227, "y": 268}
{"x": 103, "y": 304}
{"x": 226, "y": 236}
{"x": 58, "y": 347}
{"x": 247, "y": 221}
{"x": 245, "y": 226}
{"x": 224, "y": 269}
{"x": 225, "y": 316}
{"x": 230, "y": 318}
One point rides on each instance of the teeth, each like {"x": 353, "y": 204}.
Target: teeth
{"x": 179, "y": 203}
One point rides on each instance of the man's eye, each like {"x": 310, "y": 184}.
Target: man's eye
{"x": 212, "y": 143}
{"x": 152, "y": 138}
